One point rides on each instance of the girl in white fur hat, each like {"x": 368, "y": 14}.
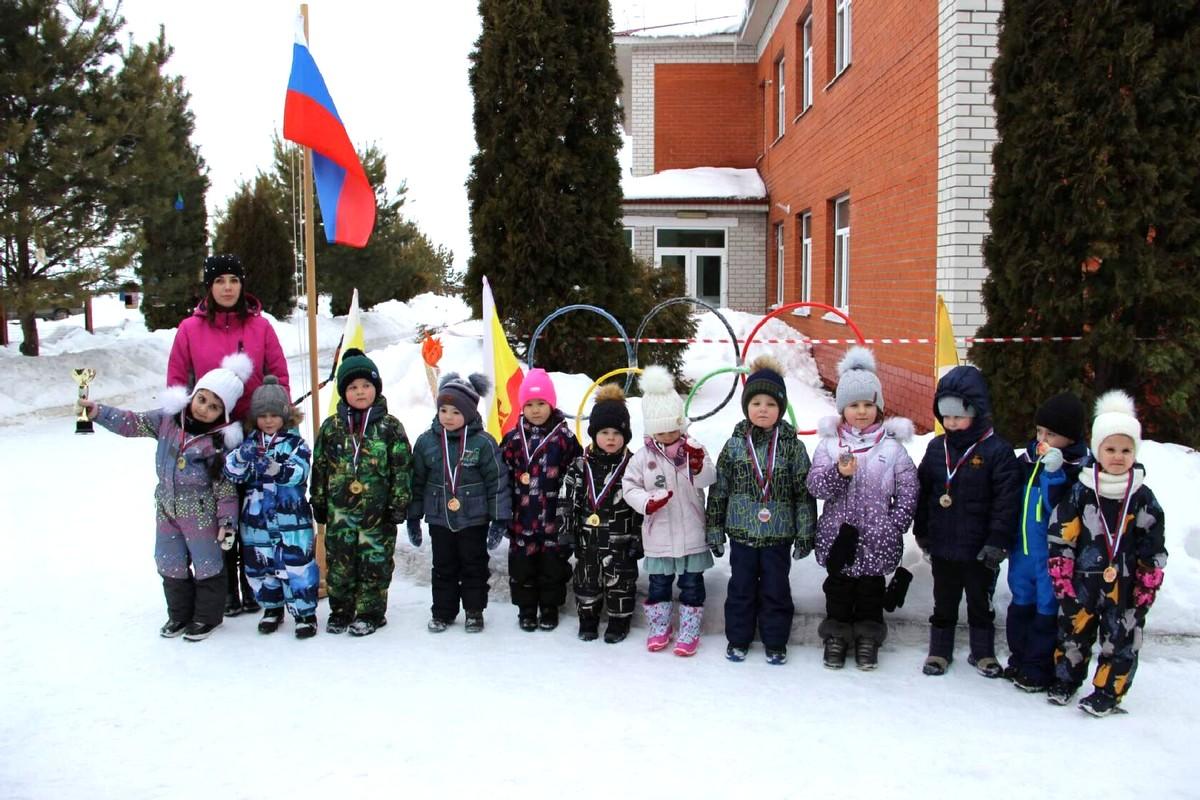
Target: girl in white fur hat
{"x": 196, "y": 507}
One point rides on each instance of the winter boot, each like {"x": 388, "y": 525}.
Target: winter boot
{"x": 868, "y": 636}
{"x": 527, "y": 619}
{"x": 837, "y": 636}
{"x": 617, "y": 630}
{"x": 776, "y": 656}
{"x": 436, "y": 625}
{"x": 548, "y": 620}
{"x": 272, "y": 618}
{"x": 306, "y": 627}
{"x": 364, "y": 626}
{"x": 1029, "y": 683}
{"x": 983, "y": 653}
{"x": 198, "y": 631}
{"x": 658, "y": 615}
{"x": 589, "y": 628}
{"x": 941, "y": 651}
{"x": 1060, "y": 693}
{"x": 172, "y": 628}
{"x": 690, "y": 618}
{"x": 736, "y": 653}
{"x": 474, "y": 622}
{"x": 337, "y": 623}
{"x": 1100, "y": 703}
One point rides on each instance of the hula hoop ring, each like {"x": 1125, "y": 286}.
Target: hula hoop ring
{"x": 631, "y": 359}
{"x": 629, "y": 373}
{"x": 737, "y": 359}
{"x": 738, "y": 369}
{"x": 790, "y": 307}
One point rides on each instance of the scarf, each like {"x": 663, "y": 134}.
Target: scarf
{"x": 1113, "y": 487}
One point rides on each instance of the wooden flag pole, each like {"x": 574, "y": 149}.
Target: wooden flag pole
{"x": 310, "y": 285}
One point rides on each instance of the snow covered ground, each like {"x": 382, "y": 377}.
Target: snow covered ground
{"x": 95, "y": 704}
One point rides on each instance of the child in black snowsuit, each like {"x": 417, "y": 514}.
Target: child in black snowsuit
{"x": 969, "y": 497}
{"x": 595, "y": 521}
{"x": 1107, "y": 553}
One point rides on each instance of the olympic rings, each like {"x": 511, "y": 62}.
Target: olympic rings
{"x": 629, "y": 372}
{"x": 737, "y": 360}
{"x": 740, "y": 369}
{"x": 789, "y": 307}
{"x": 629, "y": 354}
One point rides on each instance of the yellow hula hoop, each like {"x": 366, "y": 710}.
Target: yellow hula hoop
{"x": 595, "y": 383}
{"x": 721, "y": 371}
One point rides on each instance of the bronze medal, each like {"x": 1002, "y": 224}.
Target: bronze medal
{"x": 181, "y": 463}
{"x": 945, "y": 501}
{"x": 764, "y": 515}
{"x": 356, "y": 487}
{"x": 1110, "y": 574}
{"x": 524, "y": 478}
{"x": 593, "y": 520}
{"x": 453, "y": 504}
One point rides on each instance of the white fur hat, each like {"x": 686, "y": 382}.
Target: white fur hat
{"x": 228, "y": 380}
{"x": 662, "y": 407}
{"x": 857, "y": 379}
{"x": 1116, "y": 414}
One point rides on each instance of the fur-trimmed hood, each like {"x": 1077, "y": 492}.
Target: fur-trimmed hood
{"x": 899, "y": 428}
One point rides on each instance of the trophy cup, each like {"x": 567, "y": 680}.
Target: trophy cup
{"x": 83, "y": 377}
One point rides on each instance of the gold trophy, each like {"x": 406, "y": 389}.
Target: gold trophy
{"x": 83, "y": 377}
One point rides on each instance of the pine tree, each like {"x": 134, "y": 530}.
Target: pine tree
{"x": 253, "y": 230}
{"x": 1095, "y": 218}
{"x": 544, "y": 189}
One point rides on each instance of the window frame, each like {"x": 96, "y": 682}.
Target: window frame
{"x": 780, "y": 96}
{"x": 840, "y": 254}
{"x": 806, "y": 257}
{"x": 843, "y": 36}
{"x": 806, "y": 48}
{"x": 780, "y": 253}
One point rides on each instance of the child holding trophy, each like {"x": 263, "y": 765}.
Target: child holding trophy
{"x": 196, "y": 507}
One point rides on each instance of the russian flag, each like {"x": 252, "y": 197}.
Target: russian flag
{"x": 311, "y": 120}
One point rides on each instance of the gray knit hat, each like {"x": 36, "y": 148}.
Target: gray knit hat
{"x": 270, "y": 398}
{"x": 463, "y": 393}
{"x": 857, "y": 380}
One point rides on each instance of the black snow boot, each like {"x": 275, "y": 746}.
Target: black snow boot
{"x": 272, "y": 618}
{"x": 837, "y": 637}
{"x": 617, "y": 630}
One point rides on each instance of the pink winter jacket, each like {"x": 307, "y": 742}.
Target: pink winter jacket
{"x": 200, "y": 345}
{"x": 677, "y": 529}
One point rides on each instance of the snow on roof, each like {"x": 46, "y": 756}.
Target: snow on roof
{"x": 696, "y": 183}
{"x": 657, "y": 19}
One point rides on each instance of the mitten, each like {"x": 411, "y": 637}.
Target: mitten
{"x": 843, "y": 549}
{"x": 1062, "y": 570}
{"x": 496, "y": 532}
{"x": 695, "y": 456}
{"x": 225, "y": 535}
{"x": 1052, "y": 459}
{"x": 717, "y": 546}
{"x": 398, "y": 517}
{"x": 802, "y": 547}
{"x": 657, "y": 503}
{"x": 992, "y": 556}
{"x": 897, "y": 589}
{"x": 414, "y": 532}
{"x": 320, "y": 514}
{"x": 1146, "y": 580}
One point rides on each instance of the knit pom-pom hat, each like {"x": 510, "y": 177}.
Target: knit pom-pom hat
{"x": 1116, "y": 414}
{"x": 355, "y": 364}
{"x": 463, "y": 393}
{"x": 857, "y": 379}
{"x": 766, "y": 377}
{"x": 609, "y": 411}
{"x": 662, "y": 407}
{"x": 227, "y": 381}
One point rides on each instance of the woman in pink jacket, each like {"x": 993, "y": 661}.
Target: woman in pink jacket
{"x": 228, "y": 320}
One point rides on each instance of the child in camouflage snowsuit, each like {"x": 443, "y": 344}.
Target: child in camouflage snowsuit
{"x": 537, "y": 452}
{"x": 1107, "y": 553}
{"x": 361, "y": 476}
{"x": 196, "y": 507}
{"x": 595, "y": 521}
{"x": 277, "y": 530}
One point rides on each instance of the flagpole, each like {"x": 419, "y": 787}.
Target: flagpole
{"x": 310, "y": 286}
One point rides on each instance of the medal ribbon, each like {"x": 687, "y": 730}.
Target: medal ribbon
{"x": 596, "y": 501}
{"x": 184, "y": 442}
{"x": 764, "y": 482}
{"x": 1112, "y": 544}
{"x": 950, "y": 473}
{"x": 357, "y": 440}
{"x": 452, "y": 476}
{"x": 530, "y": 457}
{"x": 851, "y": 450}
{"x": 265, "y": 445}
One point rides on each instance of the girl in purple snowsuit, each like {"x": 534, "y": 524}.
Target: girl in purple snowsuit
{"x": 869, "y": 484}
{"x": 196, "y": 508}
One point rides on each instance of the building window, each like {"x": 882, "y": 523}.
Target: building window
{"x": 843, "y": 29}
{"x": 806, "y": 258}
{"x": 781, "y": 99}
{"x": 807, "y": 67}
{"x": 779, "y": 264}
{"x": 628, "y": 235}
{"x": 841, "y": 253}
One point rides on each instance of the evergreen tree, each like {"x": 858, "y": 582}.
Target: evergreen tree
{"x": 253, "y": 230}
{"x": 1095, "y": 218}
{"x": 544, "y": 190}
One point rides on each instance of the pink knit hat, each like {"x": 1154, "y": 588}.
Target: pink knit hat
{"x": 537, "y": 386}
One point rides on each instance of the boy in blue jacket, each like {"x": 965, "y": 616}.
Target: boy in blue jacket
{"x": 1049, "y": 466}
{"x": 969, "y": 497}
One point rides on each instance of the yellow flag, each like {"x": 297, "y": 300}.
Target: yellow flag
{"x": 502, "y": 367}
{"x": 946, "y": 350}
{"x": 352, "y": 336}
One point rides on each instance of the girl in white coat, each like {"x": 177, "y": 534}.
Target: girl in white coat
{"x": 665, "y": 482}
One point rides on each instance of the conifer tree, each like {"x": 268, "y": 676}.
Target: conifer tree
{"x": 1095, "y": 217}
{"x": 544, "y": 189}
{"x": 253, "y": 230}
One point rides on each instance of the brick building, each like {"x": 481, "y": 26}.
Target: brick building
{"x": 869, "y": 127}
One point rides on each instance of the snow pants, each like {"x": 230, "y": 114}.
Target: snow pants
{"x": 282, "y": 569}
{"x": 760, "y": 594}
{"x": 853, "y": 600}
{"x": 188, "y": 537}
{"x": 192, "y": 600}
{"x": 538, "y": 580}
{"x": 952, "y": 579}
{"x": 604, "y": 575}
{"x": 1105, "y": 609}
{"x": 460, "y": 570}
{"x": 359, "y": 564}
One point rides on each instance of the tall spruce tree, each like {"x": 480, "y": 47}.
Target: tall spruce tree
{"x": 544, "y": 189}
{"x": 1095, "y": 218}
{"x": 253, "y": 230}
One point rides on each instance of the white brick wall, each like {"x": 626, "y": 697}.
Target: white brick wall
{"x": 967, "y": 31}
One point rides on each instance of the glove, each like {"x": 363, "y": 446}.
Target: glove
{"x": 843, "y": 549}
{"x": 495, "y": 533}
{"x": 320, "y": 514}
{"x": 897, "y": 589}
{"x": 992, "y": 556}
{"x": 695, "y": 456}
{"x": 1052, "y": 459}
{"x": 225, "y": 535}
{"x": 717, "y": 546}
{"x": 656, "y": 504}
{"x": 1146, "y": 580}
{"x": 414, "y": 532}
{"x": 802, "y": 548}
{"x": 1062, "y": 570}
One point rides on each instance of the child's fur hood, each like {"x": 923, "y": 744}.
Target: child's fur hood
{"x": 898, "y": 428}
{"x": 177, "y": 398}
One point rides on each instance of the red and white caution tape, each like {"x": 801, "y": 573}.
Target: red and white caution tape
{"x": 958, "y": 340}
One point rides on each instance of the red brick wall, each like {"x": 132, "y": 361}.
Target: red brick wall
{"x": 705, "y": 115}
